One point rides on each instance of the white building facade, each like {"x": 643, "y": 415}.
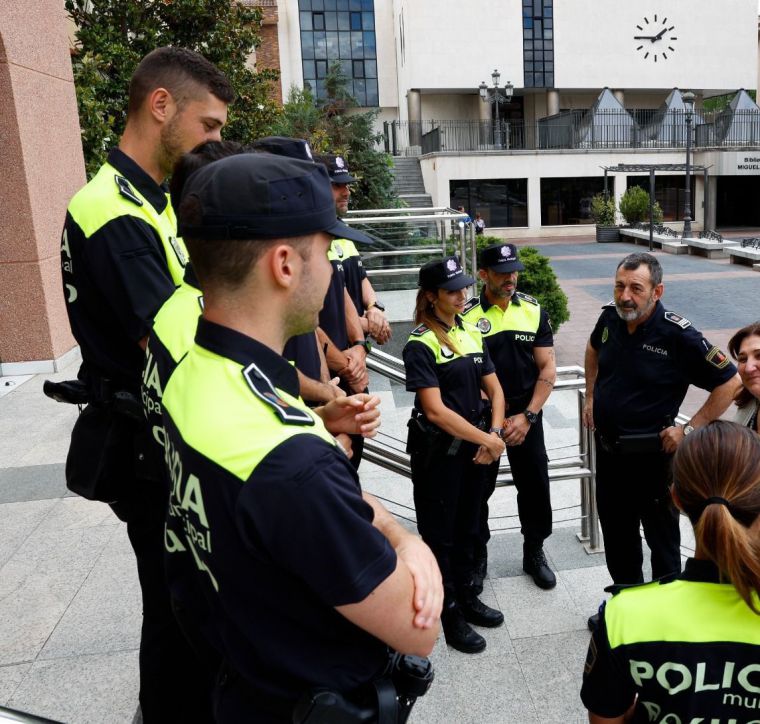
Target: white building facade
{"x": 530, "y": 164}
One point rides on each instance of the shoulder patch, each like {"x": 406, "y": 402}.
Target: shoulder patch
{"x": 527, "y": 298}
{"x": 717, "y": 357}
{"x": 126, "y": 190}
{"x": 262, "y": 387}
{"x": 682, "y": 322}
{"x": 609, "y": 304}
{"x": 419, "y": 331}
{"x": 470, "y": 304}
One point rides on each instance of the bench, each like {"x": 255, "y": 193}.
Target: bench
{"x": 710, "y": 248}
{"x": 746, "y": 255}
{"x": 669, "y": 244}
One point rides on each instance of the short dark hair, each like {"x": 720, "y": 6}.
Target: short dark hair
{"x": 744, "y": 396}
{"x": 181, "y": 72}
{"x": 635, "y": 260}
{"x": 202, "y": 155}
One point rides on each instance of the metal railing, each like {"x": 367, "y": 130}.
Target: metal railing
{"x": 576, "y": 129}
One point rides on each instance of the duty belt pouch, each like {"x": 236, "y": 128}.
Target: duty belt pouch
{"x": 649, "y": 442}
{"x": 101, "y": 460}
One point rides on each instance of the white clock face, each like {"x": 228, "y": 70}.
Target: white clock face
{"x": 655, "y": 38}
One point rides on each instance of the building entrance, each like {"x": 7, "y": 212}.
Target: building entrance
{"x": 736, "y": 203}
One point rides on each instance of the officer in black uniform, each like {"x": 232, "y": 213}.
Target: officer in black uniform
{"x": 453, "y": 438}
{"x": 121, "y": 260}
{"x": 686, "y": 649}
{"x": 301, "y": 588}
{"x": 640, "y": 361}
{"x": 521, "y": 345}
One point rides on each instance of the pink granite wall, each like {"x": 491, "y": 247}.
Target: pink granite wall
{"x": 41, "y": 167}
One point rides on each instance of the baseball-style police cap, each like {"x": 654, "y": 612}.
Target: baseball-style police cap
{"x": 501, "y": 258}
{"x": 284, "y": 146}
{"x": 260, "y": 196}
{"x": 444, "y": 274}
{"x": 337, "y": 168}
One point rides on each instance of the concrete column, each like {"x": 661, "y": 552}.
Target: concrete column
{"x": 552, "y": 102}
{"x": 41, "y": 158}
{"x": 620, "y": 95}
{"x": 711, "y": 202}
{"x": 534, "y": 203}
{"x": 414, "y": 110}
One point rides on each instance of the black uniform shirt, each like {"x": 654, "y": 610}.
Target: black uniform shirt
{"x": 332, "y": 318}
{"x": 115, "y": 270}
{"x": 458, "y": 375}
{"x": 511, "y": 335}
{"x": 643, "y": 377}
{"x": 689, "y": 647}
{"x": 266, "y": 516}
{"x": 303, "y": 351}
{"x": 354, "y": 271}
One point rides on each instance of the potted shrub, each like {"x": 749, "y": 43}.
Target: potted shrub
{"x": 603, "y": 215}
{"x": 634, "y": 207}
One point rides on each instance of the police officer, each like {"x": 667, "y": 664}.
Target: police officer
{"x": 452, "y": 441}
{"x": 520, "y": 342}
{"x": 640, "y": 361}
{"x": 121, "y": 259}
{"x": 686, "y": 649}
{"x": 301, "y": 586}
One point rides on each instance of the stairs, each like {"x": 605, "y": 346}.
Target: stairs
{"x": 408, "y": 183}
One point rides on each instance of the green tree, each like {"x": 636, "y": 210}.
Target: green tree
{"x": 539, "y": 280}
{"x": 634, "y": 206}
{"x": 335, "y": 125}
{"x": 113, "y": 35}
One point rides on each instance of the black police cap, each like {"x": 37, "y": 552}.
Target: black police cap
{"x": 262, "y": 196}
{"x": 337, "y": 168}
{"x": 284, "y": 146}
{"x": 444, "y": 274}
{"x": 501, "y": 258}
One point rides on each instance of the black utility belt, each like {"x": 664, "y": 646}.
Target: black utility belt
{"x": 425, "y": 437}
{"x": 634, "y": 444}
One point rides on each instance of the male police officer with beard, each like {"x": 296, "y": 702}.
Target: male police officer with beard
{"x": 520, "y": 342}
{"x": 640, "y": 361}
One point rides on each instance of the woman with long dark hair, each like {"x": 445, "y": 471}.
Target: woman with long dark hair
{"x": 453, "y": 437}
{"x": 688, "y": 649}
{"x": 744, "y": 347}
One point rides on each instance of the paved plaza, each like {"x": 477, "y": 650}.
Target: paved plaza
{"x": 69, "y": 599}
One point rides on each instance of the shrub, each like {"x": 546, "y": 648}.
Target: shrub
{"x": 539, "y": 280}
{"x": 634, "y": 206}
{"x": 603, "y": 210}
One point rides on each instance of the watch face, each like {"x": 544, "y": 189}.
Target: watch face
{"x": 655, "y": 37}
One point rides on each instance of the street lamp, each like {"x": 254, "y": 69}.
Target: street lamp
{"x": 688, "y": 102}
{"x": 496, "y": 95}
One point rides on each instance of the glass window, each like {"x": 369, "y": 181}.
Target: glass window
{"x": 319, "y": 21}
{"x": 321, "y": 67}
{"x": 331, "y": 21}
{"x": 332, "y": 45}
{"x": 357, "y": 45}
{"x": 501, "y": 202}
{"x": 320, "y": 45}
{"x": 308, "y": 69}
{"x": 370, "y": 69}
{"x": 528, "y": 65}
{"x": 368, "y": 21}
{"x": 304, "y": 4}
{"x": 549, "y": 80}
{"x": 345, "y": 67}
{"x": 331, "y": 4}
{"x": 538, "y": 28}
{"x": 369, "y": 45}
{"x": 305, "y": 21}
{"x": 344, "y": 44}
{"x": 368, "y": 5}
{"x": 669, "y": 192}
{"x": 373, "y": 98}
{"x": 358, "y": 68}
{"x": 307, "y": 45}
{"x": 355, "y": 5}
{"x": 342, "y": 4}
{"x": 343, "y": 21}
{"x": 568, "y": 200}
{"x": 356, "y": 21}
{"x": 527, "y": 23}
{"x": 317, "y": 4}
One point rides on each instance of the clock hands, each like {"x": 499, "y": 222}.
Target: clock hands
{"x": 652, "y": 38}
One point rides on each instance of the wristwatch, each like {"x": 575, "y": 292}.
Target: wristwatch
{"x": 687, "y": 428}
{"x": 377, "y": 304}
{"x": 531, "y": 416}
{"x": 363, "y": 343}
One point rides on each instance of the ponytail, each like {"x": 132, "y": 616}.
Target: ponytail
{"x": 716, "y": 478}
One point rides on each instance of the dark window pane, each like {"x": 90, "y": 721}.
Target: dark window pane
{"x": 305, "y": 19}
{"x": 368, "y": 21}
{"x": 501, "y": 202}
{"x": 357, "y": 45}
{"x": 317, "y": 4}
{"x": 332, "y": 44}
{"x": 538, "y": 44}
{"x": 548, "y": 34}
{"x": 345, "y": 67}
{"x": 358, "y": 69}
{"x": 538, "y": 28}
{"x": 549, "y": 67}
{"x": 529, "y": 66}
{"x": 343, "y": 22}
{"x": 368, "y": 6}
{"x": 356, "y": 21}
{"x": 527, "y": 23}
{"x": 568, "y": 200}
{"x": 370, "y": 69}
{"x": 548, "y": 23}
{"x": 355, "y": 5}
{"x": 527, "y": 45}
{"x": 528, "y": 55}
{"x": 320, "y": 45}
{"x": 331, "y": 21}
{"x": 373, "y": 98}
{"x": 319, "y": 21}
{"x": 344, "y": 44}
{"x": 539, "y": 65}
{"x": 370, "y": 51}
{"x": 331, "y": 4}
{"x": 527, "y": 12}
{"x": 549, "y": 80}
{"x": 321, "y": 68}
{"x": 308, "y": 69}
{"x": 342, "y": 4}
{"x": 307, "y": 45}
{"x": 304, "y": 4}
{"x": 548, "y": 44}
{"x": 548, "y": 13}
{"x": 360, "y": 94}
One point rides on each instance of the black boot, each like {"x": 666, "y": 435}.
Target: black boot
{"x": 535, "y": 565}
{"x": 459, "y": 635}
{"x": 480, "y": 569}
{"x": 475, "y": 611}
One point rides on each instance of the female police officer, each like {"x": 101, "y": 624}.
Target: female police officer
{"x": 688, "y": 648}
{"x": 451, "y": 447}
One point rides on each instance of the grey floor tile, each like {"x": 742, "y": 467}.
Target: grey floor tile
{"x": 32, "y": 482}
{"x": 567, "y": 552}
{"x": 553, "y": 668}
{"x": 10, "y": 678}
{"x": 17, "y": 522}
{"x": 82, "y": 690}
{"x": 586, "y": 587}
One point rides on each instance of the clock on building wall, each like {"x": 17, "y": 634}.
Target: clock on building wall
{"x": 655, "y": 38}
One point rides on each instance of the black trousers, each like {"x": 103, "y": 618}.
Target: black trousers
{"x": 632, "y": 490}
{"x": 530, "y": 471}
{"x": 448, "y": 498}
{"x": 174, "y": 685}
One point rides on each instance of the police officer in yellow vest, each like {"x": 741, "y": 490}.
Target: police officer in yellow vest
{"x": 519, "y": 338}
{"x": 452, "y": 440}
{"x": 304, "y": 583}
{"x": 121, "y": 259}
{"x": 687, "y": 648}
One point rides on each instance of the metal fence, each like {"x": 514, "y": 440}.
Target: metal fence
{"x": 577, "y": 129}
